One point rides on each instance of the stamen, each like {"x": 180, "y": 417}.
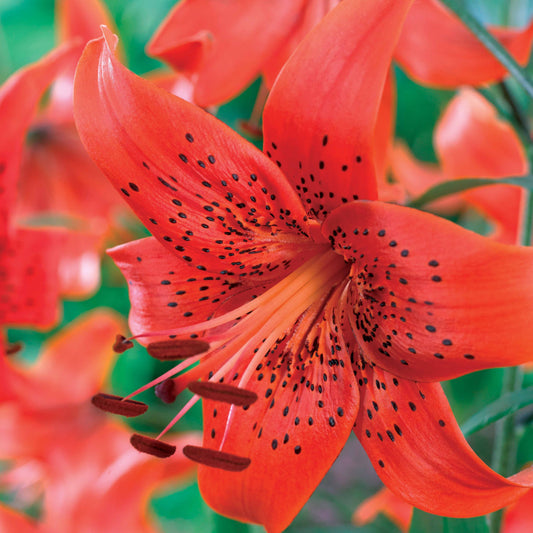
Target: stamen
{"x": 166, "y": 391}
{"x": 184, "y": 410}
{"x": 295, "y": 280}
{"x": 118, "y": 405}
{"x": 122, "y": 344}
{"x": 176, "y": 349}
{"x": 168, "y": 374}
{"x": 216, "y": 459}
{"x": 14, "y": 348}
{"x": 222, "y": 392}
{"x": 151, "y": 446}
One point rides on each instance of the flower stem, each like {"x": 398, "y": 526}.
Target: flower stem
{"x": 492, "y": 44}
{"x": 505, "y": 441}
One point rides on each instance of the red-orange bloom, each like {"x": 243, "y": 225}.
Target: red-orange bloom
{"x": 471, "y": 141}
{"x": 517, "y": 518}
{"x": 46, "y": 174}
{"x": 437, "y": 49}
{"x": 222, "y": 47}
{"x": 29, "y": 256}
{"x": 90, "y": 477}
{"x": 311, "y": 308}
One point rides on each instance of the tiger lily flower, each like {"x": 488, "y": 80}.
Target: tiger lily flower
{"x": 311, "y": 308}
{"x": 386, "y": 502}
{"x": 98, "y": 487}
{"x": 437, "y": 49}
{"x": 49, "y": 426}
{"x": 471, "y": 141}
{"x": 40, "y": 151}
{"x": 222, "y": 48}
{"x": 91, "y": 487}
{"x": 39, "y": 402}
{"x": 517, "y": 517}
{"x": 29, "y": 255}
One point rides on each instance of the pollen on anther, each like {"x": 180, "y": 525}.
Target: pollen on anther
{"x": 121, "y": 344}
{"x": 223, "y": 392}
{"x": 152, "y": 446}
{"x": 118, "y": 405}
{"x": 176, "y": 349}
{"x": 216, "y": 459}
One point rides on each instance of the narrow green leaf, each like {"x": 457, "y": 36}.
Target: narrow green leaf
{"x": 505, "y": 405}
{"x": 460, "y": 185}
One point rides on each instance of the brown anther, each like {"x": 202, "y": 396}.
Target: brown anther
{"x": 166, "y": 391}
{"x": 14, "y": 348}
{"x": 222, "y": 392}
{"x": 176, "y": 349}
{"x": 216, "y": 459}
{"x": 117, "y": 405}
{"x": 122, "y": 344}
{"x": 152, "y": 446}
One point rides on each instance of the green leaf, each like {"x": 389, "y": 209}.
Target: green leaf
{"x": 460, "y": 185}
{"x": 424, "y": 523}
{"x": 503, "y": 406}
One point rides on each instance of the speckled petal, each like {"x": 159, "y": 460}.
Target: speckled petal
{"x": 430, "y": 300}
{"x": 320, "y": 117}
{"x": 166, "y": 293}
{"x": 29, "y": 277}
{"x": 307, "y": 402}
{"x": 410, "y": 434}
{"x": 204, "y": 192}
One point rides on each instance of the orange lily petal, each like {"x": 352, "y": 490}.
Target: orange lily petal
{"x": 73, "y": 364}
{"x": 300, "y": 407}
{"x": 384, "y": 501}
{"x": 311, "y": 13}
{"x": 519, "y": 517}
{"x": 416, "y": 177}
{"x": 102, "y": 484}
{"x": 56, "y": 161}
{"x": 79, "y": 264}
{"x": 164, "y": 292}
{"x": 29, "y": 277}
{"x": 431, "y": 299}
{"x": 224, "y": 45}
{"x": 384, "y": 130}
{"x": 327, "y": 153}
{"x": 173, "y": 82}
{"x": 472, "y": 141}
{"x": 19, "y": 97}
{"x": 78, "y": 20}
{"x": 410, "y": 434}
{"x": 199, "y": 187}
{"x": 436, "y": 48}
{"x": 81, "y": 18}
{"x": 47, "y": 403}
